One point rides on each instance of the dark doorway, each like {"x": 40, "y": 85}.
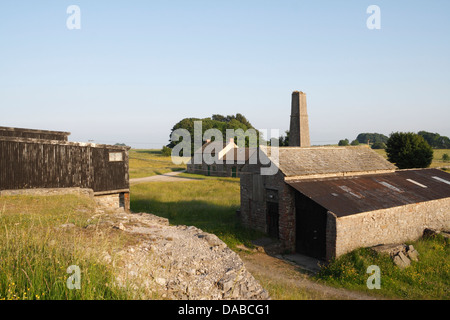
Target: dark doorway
{"x": 311, "y": 223}
{"x": 272, "y": 219}
{"x": 233, "y": 172}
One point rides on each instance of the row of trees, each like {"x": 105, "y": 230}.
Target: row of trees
{"x": 435, "y": 140}
{"x": 404, "y": 149}
{"x": 379, "y": 141}
{"x": 376, "y": 140}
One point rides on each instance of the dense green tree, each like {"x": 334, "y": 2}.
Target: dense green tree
{"x": 283, "y": 141}
{"x": 435, "y": 140}
{"x": 217, "y": 121}
{"x": 408, "y": 150}
{"x": 371, "y": 137}
{"x": 343, "y": 143}
{"x": 166, "y": 151}
{"x": 445, "y": 157}
{"x": 378, "y": 145}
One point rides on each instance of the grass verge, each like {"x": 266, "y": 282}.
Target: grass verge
{"x": 40, "y": 237}
{"x": 437, "y": 157}
{"x": 209, "y": 204}
{"x": 146, "y": 163}
{"x": 429, "y": 278}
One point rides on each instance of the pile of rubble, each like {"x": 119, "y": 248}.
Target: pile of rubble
{"x": 401, "y": 254}
{"x": 177, "y": 262}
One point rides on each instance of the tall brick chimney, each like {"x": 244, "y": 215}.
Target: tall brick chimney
{"x": 299, "y": 129}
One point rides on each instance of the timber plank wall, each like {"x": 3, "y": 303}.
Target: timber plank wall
{"x": 27, "y": 163}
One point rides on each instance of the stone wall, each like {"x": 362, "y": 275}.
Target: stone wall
{"x": 108, "y": 201}
{"x": 287, "y": 217}
{"x": 393, "y": 225}
{"x": 330, "y": 237}
{"x": 255, "y": 192}
{"x": 112, "y": 201}
{"x": 216, "y": 170}
{"x": 48, "y": 192}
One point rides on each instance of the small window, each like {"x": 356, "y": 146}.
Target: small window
{"x": 115, "y": 156}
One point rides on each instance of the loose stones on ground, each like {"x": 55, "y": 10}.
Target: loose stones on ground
{"x": 177, "y": 262}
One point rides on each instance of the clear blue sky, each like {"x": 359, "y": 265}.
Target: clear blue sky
{"x": 137, "y": 67}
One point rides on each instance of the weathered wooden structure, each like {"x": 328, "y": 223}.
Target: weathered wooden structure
{"x": 39, "y": 159}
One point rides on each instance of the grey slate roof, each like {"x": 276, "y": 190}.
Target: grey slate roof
{"x": 296, "y": 161}
{"x": 217, "y": 145}
{"x": 239, "y": 155}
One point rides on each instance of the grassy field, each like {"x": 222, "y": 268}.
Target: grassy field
{"x": 146, "y": 163}
{"x": 35, "y": 250}
{"x": 209, "y": 204}
{"x": 437, "y": 157}
{"x": 428, "y": 278}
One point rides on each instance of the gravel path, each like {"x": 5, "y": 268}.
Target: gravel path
{"x": 283, "y": 272}
{"x": 169, "y": 177}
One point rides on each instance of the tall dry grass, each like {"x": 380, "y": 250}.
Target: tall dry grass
{"x": 40, "y": 237}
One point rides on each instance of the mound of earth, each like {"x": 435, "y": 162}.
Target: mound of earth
{"x": 176, "y": 262}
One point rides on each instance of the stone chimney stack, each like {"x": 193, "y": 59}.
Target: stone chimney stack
{"x": 299, "y": 129}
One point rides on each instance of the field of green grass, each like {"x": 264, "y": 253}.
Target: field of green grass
{"x": 146, "y": 163}
{"x": 35, "y": 251}
{"x": 428, "y": 278}
{"x": 437, "y": 157}
{"x": 209, "y": 204}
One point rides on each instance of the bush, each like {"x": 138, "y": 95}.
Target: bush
{"x": 408, "y": 150}
{"x": 343, "y": 143}
{"x": 445, "y": 157}
{"x": 355, "y": 143}
{"x": 371, "y": 137}
{"x": 166, "y": 151}
{"x": 379, "y": 145}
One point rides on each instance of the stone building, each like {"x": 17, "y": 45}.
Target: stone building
{"x": 219, "y": 159}
{"x": 326, "y": 201}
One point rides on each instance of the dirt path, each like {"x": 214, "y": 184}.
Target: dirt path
{"x": 268, "y": 269}
{"x": 170, "y": 177}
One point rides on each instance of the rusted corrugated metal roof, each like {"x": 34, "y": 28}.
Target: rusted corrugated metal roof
{"x": 351, "y": 195}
